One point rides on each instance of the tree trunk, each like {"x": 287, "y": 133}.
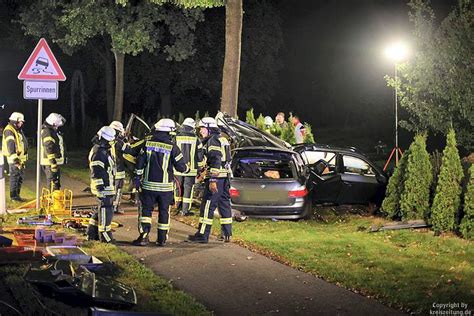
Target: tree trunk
{"x": 231, "y": 71}
{"x": 109, "y": 85}
{"x": 119, "y": 66}
{"x": 165, "y": 98}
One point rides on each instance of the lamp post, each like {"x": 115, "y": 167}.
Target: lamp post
{"x": 396, "y": 52}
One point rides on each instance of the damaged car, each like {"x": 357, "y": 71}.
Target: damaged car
{"x": 272, "y": 179}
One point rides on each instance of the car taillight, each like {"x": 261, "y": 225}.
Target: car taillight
{"x": 300, "y": 192}
{"x": 234, "y": 192}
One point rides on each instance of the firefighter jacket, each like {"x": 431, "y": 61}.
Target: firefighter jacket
{"x": 14, "y": 145}
{"x": 102, "y": 168}
{"x": 156, "y": 161}
{"x": 52, "y": 146}
{"x": 217, "y": 151}
{"x": 191, "y": 148}
{"x": 120, "y": 147}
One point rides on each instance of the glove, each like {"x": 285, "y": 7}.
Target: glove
{"x": 17, "y": 163}
{"x": 53, "y": 161}
{"x": 137, "y": 183}
{"x": 213, "y": 187}
{"x": 100, "y": 188}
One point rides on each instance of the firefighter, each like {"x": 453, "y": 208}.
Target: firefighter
{"x": 217, "y": 183}
{"x": 52, "y": 149}
{"x": 191, "y": 148}
{"x": 154, "y": 179}
{"x": 118, "y": 148}
{"x": 102, "y": 168}
{"x": 15, "y": 148}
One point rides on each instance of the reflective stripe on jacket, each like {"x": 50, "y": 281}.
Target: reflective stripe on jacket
{"x": 217, "y": 152}
{"x": 156, "y": 162}
{"x": 118, "y": 149}
{"x": 192, "y": 151}
{"x": 102, "y": 170}
{"x": 14, "y": 145}
{"x": 52, "y": 146}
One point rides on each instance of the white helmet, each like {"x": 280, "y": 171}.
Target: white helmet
{"x": 107, "y": 133}
{"x": 17, "y": 117}
{"x": 55, "y": 119}
{"x": 268, "y": 120}
{"x": 207, "y": 122}
{"x": 189, "y": 122}
{"x": 165, "y": 125}
{"x": 117, "y": 126}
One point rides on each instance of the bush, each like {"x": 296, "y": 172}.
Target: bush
{"x": 467, "y": 223}
{"x": 288, "y": 132}
{"x": 249, "y": 117}
{"x": 415, "y": 197}
{"x": 308, "y": 136}
{"x": 260, "y": 123}
{"x": 276, "y": 130}
{"x": 391, "y": 203}
{"x": 448, "y": 190}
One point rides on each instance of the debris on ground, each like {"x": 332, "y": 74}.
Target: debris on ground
{"x": 400, "y": 225}
{"x": 65, "y": 277}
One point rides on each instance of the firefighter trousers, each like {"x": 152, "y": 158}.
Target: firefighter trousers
{"x": 16, "y": 179}
{"x": 100, "y": 224}
{"x": 211, "y": 201}
{"x": 148, "y": 201}
{"x": 53, "y": 179}
{"x": 185, "y": 197}
{"x": 118, "y": 195}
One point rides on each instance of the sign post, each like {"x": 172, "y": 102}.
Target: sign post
{"x": 41, "y": 74}
{"x": 3, "y": 207}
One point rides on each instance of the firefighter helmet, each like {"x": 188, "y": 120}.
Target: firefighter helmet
{"x": 268, "y": 121}
{"x": 189, "y": 122}
{"x": 207, "y": 122}
{"x": 117, "y": 126}
{"x": 17, "y": 117}
{"x": 107, "y": 133}
{"x": 165, "y": 125}
{"x": 55, "y": 119}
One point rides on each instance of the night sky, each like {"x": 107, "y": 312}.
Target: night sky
{"x": 333, "y": 64}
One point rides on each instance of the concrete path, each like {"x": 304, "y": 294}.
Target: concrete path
{"x": 231, "y": 280}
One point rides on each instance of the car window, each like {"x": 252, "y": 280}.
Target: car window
{"x": 353, "y": 165}
{"x": 312, "y": 157}
{"x": 299, "y": 163}
{"x": 137, "y": 128}
{"x": 263, "y": 165}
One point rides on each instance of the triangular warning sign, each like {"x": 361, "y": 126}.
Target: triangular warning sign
{"x": 42, "y": 65}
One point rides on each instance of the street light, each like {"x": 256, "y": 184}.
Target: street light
{"x": 396, "y": 52}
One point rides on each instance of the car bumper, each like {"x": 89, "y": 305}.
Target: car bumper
{"x": 294, "y": 211}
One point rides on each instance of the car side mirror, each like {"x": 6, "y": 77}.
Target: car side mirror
{"x": 320, "y": 166}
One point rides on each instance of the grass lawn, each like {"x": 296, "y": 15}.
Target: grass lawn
{"x": 405, "y": 269}
{"x": 77, "y": 166}
{"x": 26, "y": 193}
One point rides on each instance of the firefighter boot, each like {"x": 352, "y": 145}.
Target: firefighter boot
{"x": 162, "y": 236}
{"x": 141, "y": 241}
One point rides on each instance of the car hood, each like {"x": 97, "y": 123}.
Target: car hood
{"x": 246, "y": 135}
